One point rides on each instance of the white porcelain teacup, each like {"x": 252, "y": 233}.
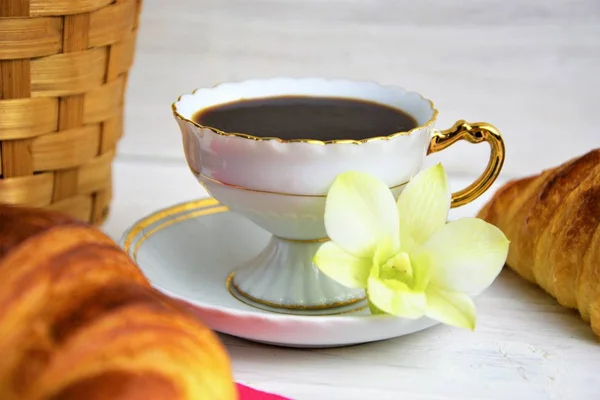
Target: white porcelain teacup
{"x": 281, "y": 184}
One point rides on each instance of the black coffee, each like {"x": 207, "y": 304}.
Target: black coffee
{"x": 300, "y": 117}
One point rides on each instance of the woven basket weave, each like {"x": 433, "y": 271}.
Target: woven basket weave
{"x": 63, "y": 74}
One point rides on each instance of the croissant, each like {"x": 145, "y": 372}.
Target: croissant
{"x": 553, "y": 222}
{"x": 78, "y": 320}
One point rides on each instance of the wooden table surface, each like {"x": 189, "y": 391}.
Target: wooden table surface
{"x": 528, "y": 67}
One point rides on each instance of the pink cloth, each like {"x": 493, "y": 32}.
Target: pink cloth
{"x": 247, "y": 393}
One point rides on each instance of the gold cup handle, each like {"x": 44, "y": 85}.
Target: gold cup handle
{"x": 476, "y": 132}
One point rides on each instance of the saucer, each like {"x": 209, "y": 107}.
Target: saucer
{"x": 191, "y": 250}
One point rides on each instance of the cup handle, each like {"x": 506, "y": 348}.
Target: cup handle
{"x": 476, "y": 132}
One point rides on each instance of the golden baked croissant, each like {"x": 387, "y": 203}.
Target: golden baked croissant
{"x": 78, "y": 320}
{"x": 553, "y": 222}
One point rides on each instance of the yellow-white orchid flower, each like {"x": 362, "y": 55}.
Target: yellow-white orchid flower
{"x": 411, "y": 262}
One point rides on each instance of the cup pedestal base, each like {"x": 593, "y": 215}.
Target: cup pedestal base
{"x": 283, "y": 278}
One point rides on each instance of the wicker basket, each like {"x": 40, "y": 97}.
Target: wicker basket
{"x": 63, "y": 74}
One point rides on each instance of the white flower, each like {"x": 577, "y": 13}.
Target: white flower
{"x": 411, "y": 262}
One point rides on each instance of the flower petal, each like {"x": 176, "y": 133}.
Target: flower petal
{"x": 451, "y": 308}
{"x": 342, "y": 267}
{"x": 465, "y": 255}
{"x": 395, "y": 297}
{"x": 360, "y": 213}
{"x": 423, "y": 206}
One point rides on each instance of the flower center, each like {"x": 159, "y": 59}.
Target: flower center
{"x": 398, "y": 268}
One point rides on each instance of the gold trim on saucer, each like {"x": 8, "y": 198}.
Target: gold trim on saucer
{"x": 309, "y": 141}
{"x": 199, "y": 213}
{"x": 232, "y": 186}
{"x": 230, "y": 284}
{"x": 203, "y": 207}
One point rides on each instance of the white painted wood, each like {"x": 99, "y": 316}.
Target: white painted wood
{"x": 525, "y": 345}
{"x": 528, "y": 67}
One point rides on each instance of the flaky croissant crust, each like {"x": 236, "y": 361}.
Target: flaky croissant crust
{"x": 553, "y": 222}
{"x": 78, "y": 320}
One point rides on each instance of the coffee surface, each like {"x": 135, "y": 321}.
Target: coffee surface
{"x": 303, "y": 117}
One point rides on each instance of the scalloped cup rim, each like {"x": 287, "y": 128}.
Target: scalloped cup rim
{"x": 219, "y": 87}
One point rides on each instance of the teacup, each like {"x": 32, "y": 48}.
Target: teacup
{"x": 281, "y": 185}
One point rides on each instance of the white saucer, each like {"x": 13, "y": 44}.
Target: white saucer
{"x": 188, "y": 251}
